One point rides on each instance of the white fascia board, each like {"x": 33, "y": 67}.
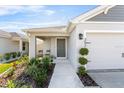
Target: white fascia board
{"x": 103, "y": 31}
{"x": 101, "y": 22}
{"x": 90, "y": 14}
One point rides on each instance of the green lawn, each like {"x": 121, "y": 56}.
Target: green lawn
{"x": 5, "y": 66}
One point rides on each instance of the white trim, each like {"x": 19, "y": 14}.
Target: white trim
{"x": 84, "y": 17}
{"x": 53, "y": 29}
{"x": 65, "y": 46}
{"x": 72, "y": 26}
{"x": 107, "y": 9}
{"x": 92, "y": 13}
{"x": 101, "y": 22}
{"x": 103, "y": 31}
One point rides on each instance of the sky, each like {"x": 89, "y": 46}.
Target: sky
{"x": 15, "y": 18}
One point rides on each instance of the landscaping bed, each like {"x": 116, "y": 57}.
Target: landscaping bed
{"x": 50, "y": 73}
{"x": 11, "y": 75}
{"x": 5, "y": 66}
{"x": 87, "y": 80}
{"x": 27, "y": 80}
{"x": 25, "y": 73}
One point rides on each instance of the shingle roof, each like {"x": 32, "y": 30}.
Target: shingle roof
{"x": 5, "y": 34}
{"x": 12, "y": 35}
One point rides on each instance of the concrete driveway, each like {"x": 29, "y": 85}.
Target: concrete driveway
{"x": 108, "y": 79}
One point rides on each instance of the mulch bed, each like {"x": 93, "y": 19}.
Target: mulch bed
{"x": 46, "y": 83}
{"x": 28, "y": 80}
{"x": 23, "y": 80}
{"x": 87, "y": 80}
{"x": 19, "y": 70}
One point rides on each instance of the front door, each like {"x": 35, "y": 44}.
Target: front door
{"x": 61, "y": 48}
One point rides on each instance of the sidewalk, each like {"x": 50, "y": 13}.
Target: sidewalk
{"x": 64, "y": 76}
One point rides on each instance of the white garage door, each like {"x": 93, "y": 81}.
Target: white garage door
{"x": 105, "y": 51}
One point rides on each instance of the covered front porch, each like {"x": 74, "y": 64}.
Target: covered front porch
{"x": 54, "y": 46}
{"x": 53, "y": 42}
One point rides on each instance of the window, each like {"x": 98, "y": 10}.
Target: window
{"x": 23, "y": 46}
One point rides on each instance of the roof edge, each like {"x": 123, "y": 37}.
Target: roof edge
{"x": 92, "y": 13}
{"x": 84, "y": 17}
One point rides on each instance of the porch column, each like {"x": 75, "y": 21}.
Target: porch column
{"x": 32, "y": 46}
{"x": 20, "y": 45}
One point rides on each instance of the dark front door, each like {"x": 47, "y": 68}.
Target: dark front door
{"x": 61, "y": 48}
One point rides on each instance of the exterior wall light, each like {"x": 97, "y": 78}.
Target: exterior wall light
{"x": 80, "y": 36}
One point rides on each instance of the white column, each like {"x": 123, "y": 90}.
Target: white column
{"x": 32, "y": 46}
{"x": 20, "y": 45}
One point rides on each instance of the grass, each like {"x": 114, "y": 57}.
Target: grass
{"x": 5, "y": 66}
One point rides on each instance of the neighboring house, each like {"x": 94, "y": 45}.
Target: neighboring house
{"x": 102, "y": 29}
{"x": 12, "y": 42}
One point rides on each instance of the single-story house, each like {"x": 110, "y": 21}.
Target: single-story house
{"x": 13, "y": 42}
{"x": 101, "y": 30}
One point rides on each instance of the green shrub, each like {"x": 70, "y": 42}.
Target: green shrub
{"x": 81, "y": 70}
{"x": 38, "y": 74}
{"x": 46, "y": 62}
{"x": 83, "y": 60}
{"x": 7, "y": 56}
{"x": 35, "y": 61}
{"x": 1, "y": 58}
{"x": 9, "y": 72}
{"x": 41, "y": 77}
{"x": 11, "y": 84}
{"x": 18, "y": 54}
{"x": 24, "y": 59}
{"x": 32, "y": 70}
{"x": 52, "y": 57}
{"x": 84, "y": 51}
{"x": 14, "y": 54}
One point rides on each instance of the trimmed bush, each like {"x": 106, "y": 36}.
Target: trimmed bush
{"x": 83, "y": 60}
{"x": 18, "y": 54}
{"x": 81, "y": 70}
{"x": 7, "y": 56}
{"x": 14, "y": 54}
{"x": 84, "y": 51}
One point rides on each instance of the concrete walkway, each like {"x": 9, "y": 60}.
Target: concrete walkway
{"x": 64, "y": 76}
